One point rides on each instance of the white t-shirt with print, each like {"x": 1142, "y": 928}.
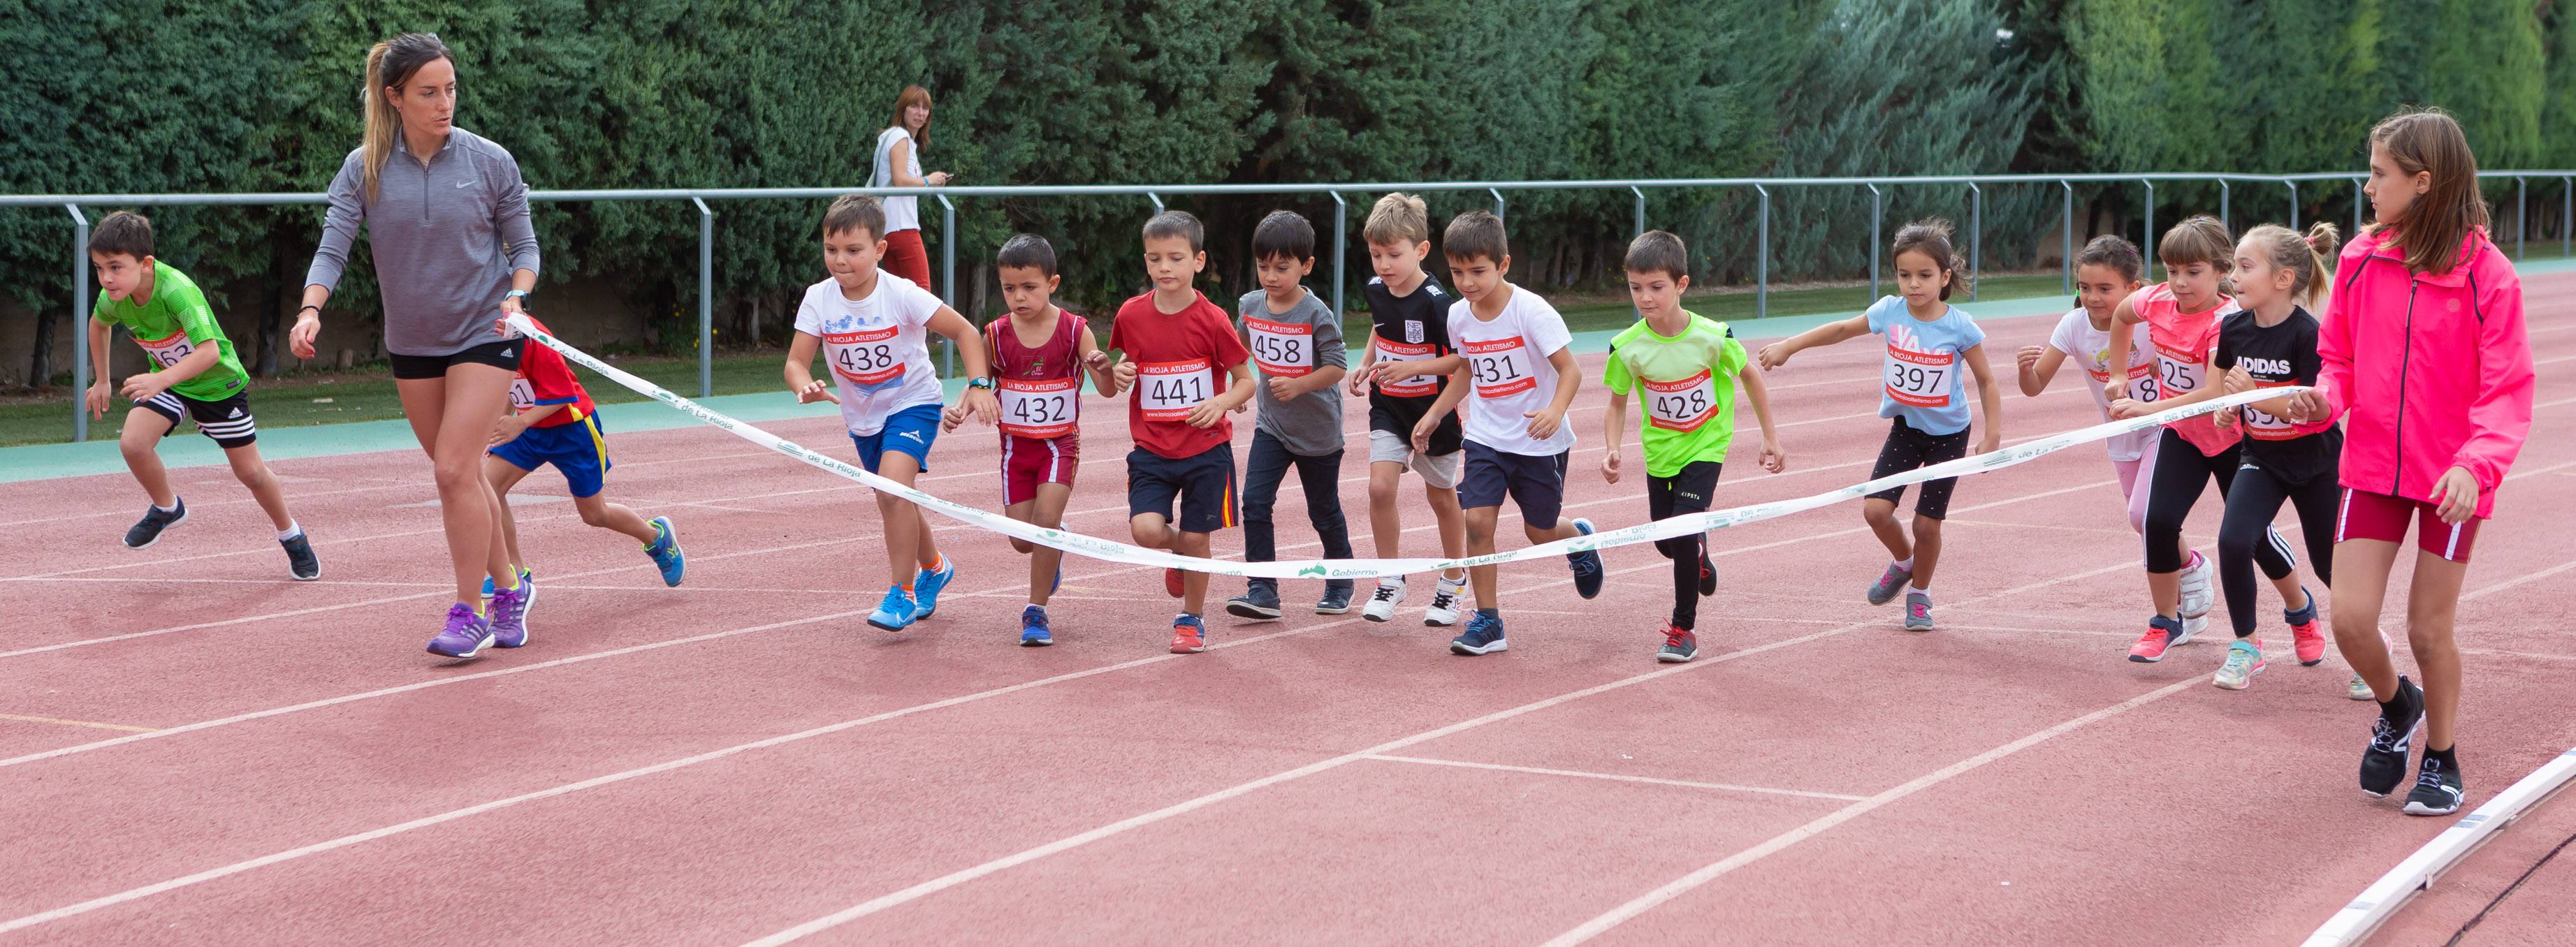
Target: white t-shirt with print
{"x": 1508, "y": 372}
{"x": 2089, "y": 350}
{"x": 879, "y": 356}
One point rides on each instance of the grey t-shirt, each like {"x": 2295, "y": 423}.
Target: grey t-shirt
{"x": 446, "y": 237}
{"x": 1306, "y": 338}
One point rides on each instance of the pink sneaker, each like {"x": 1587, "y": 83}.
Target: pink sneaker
{"x": 2162, "y": 633}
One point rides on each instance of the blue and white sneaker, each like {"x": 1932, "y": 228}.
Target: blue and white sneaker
{"x": 666, "y": 553}
{"x": 897, "y": 612}
{"x": 487, "y": 582}
{"x": 926, "y": 585}
{"x": 1586, "y": 565}
{"x": 1484, "y": 635}
{"x": 1033, "y": 628}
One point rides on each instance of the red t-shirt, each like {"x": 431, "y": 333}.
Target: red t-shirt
{"x": 544, "y": 378}
{"x": 1181, "y": 359}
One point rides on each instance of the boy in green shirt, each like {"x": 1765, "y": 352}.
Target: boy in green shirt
{"x": 195, "y": 375}
{"x": 1686, "y": 367}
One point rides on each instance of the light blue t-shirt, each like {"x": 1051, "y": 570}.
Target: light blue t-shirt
{"x": 1925, "y": 382}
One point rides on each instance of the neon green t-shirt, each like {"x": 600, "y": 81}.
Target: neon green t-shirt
{"x": 1686, "y": 385}
{"x": 176, "y": 322}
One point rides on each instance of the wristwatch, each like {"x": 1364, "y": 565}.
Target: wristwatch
{"x": 980, "y": 382}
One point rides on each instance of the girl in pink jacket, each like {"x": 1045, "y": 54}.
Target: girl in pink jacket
{"x": 2423, "y": 346}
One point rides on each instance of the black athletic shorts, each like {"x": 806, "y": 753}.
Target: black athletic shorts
{"x": 501, "y": 354}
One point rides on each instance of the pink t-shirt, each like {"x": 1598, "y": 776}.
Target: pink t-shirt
{"x": 2183, "y": 343}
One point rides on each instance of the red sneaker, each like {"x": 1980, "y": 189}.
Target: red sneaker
{"x": 2305, "y": 635}
{"x": 2151, "y": 646}
{"x": 1189, "y": 636}
{"x": 1172, "y": 583}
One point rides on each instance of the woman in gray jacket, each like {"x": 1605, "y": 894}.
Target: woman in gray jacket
{"x": 447, "y": 217}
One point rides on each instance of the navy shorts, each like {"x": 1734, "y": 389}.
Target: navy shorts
{"x": 909, "y": 431}
{"x": 1536, "y": 483}
{"x": 579, "y": 450}
{"x": 1203, "y": 482}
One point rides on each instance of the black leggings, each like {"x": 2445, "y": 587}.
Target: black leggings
{"x": 1908, "y": 448}
{"x": 2246, "y": 531}
{"x": 1683, "y": 493}
{"x": 2181, "y": 471}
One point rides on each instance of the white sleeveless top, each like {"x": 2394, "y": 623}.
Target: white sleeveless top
{"x": 902, "y": 213}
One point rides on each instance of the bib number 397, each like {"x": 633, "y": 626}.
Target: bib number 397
{"x": 1920, "y": 379}
{"x": 1168, "y": 390}
{"x": 1681, "y": 405}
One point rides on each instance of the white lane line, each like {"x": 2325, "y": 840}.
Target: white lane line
{"x": 1616, "y": 777}
{"x": 1648, "y": 901}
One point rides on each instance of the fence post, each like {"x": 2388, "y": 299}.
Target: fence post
{"x": 1157, "y": 199}
{"x": 2066, "y": 257}
{"x": 1762, "y": 266}
{"x": 2567, "y": 218}
{"x": 1877, "y": 216}
{"x": 2521, "y": 213}
{"x": 2359, "y": 197}
{"x": 2149, "y": 244}
{"x": 1641, "y": 209}
{"x": 79, "y": 326}
{"x": 2223, "y": 219}
{"x": 1341, "y": 255}
{"x": 948, "y": 280}
{"x": 706, "y": 298}
{"x": 1976, "y": 236}
{"x": 1498, "y": 201}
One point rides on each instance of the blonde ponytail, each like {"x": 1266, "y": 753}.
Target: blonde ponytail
{"x": 2308, "y": 259}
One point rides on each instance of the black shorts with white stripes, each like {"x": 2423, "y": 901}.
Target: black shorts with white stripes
{"x": 228, "y": 421}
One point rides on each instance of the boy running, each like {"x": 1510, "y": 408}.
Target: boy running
{"x": 1688, "y": 367}
{"x": 1411, "y": 316}
{"x": 552, "y": 421}
{"x": 196, "y": 375}
{"x": 1296, "y": 341}
{"x": 1177, "y": 346}
{"x": 1512, "y": 352}
{"x": 869, "y": 324}
{"x": 1038, "y": 357}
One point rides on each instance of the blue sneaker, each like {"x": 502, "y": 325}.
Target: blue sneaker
{"x": 666, "y": 552}
{"x": 896, "y": 612}
{"x": 1587, "y": 568}
{"x": 509, "y": 613}
{"x": 487, "y": 582}
{"x": 465, "y": 636}
{"x": 1033, "y": 628}
{"x": 1484, "y": 635}
{"x": 926, "y": 585}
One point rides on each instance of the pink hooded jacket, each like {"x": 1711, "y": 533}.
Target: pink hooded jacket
{"x": 2433, "y": 368}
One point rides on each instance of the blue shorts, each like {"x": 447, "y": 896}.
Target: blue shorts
{"x": 1537, "y": 483}
{"x": 579, "y": 450}
{"x": 1202, "y": 482}
{"x": 909, "y": 431}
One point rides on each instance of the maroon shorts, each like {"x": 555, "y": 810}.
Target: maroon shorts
{"x": 2367, "y": 515}
{"x": 1027, "y": 462}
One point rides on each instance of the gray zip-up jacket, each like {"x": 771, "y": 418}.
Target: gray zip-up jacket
{"x": 446, "y": 236}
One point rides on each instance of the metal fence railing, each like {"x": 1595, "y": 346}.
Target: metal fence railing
{"x": 72, "y": 204}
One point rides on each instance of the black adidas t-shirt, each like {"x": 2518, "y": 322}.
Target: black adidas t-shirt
{"x": 2284, "y": 354}
{"x": 1415, "y": 320}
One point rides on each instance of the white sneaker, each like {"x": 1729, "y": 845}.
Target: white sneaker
{"x": 1381, "y": 604}
{"x": 2192, "y": 626}
{"x": 2196, "y": 594}
{"x": 1444, "y": 603}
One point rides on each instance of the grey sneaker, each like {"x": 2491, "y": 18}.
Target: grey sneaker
{"x": 1260, "y": 600}
{"x": 1918, "y": 612}
{"x": 1885, "y": 589}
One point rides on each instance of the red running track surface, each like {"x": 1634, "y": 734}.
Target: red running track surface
{"x": 195, "y": 750}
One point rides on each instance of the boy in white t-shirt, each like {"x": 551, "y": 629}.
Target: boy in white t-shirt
{"x": 869, "y": 326}
{"x": 1511, "y": 355}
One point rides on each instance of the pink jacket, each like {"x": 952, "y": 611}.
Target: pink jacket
{"x": 2433, "y": 368}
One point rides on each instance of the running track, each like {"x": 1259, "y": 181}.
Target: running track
{"x": 193, "y": 750}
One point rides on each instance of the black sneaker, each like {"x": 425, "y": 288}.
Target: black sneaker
{"x": 2383, "y": 764}
{"x": 2437, "y": 789}
{"x": 1586, "y": 564}
{"x": 1707, "y": 576}
{"x": 1260, "y": 600}
{"x": 1336, "y": 600}
{"x": 299, "y": 558}
{"x": 147, "y": 530}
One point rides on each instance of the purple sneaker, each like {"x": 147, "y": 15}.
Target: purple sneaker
{"x": 466, "y": 635}
{"x": 509, "y": 611}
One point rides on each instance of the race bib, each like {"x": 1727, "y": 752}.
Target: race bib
{"x": 1681, "y": 405}
{"x": 2141, "y": 385}
{"x": 522, "y": 396}
{"x": 167, "y": 352}
{"x": 2266, "y": 427}
{"x": 1039, "y": 409}
{"x": 1500, "y": 368}
{"x": 1392, "y": 351}
{"x": 1280, "y": 348}
{"x": 2179, "y": 373}
{"x": 1920, "y": 379}
{"x": 865, "y": 357}
{"x": 1168, "y": 390}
